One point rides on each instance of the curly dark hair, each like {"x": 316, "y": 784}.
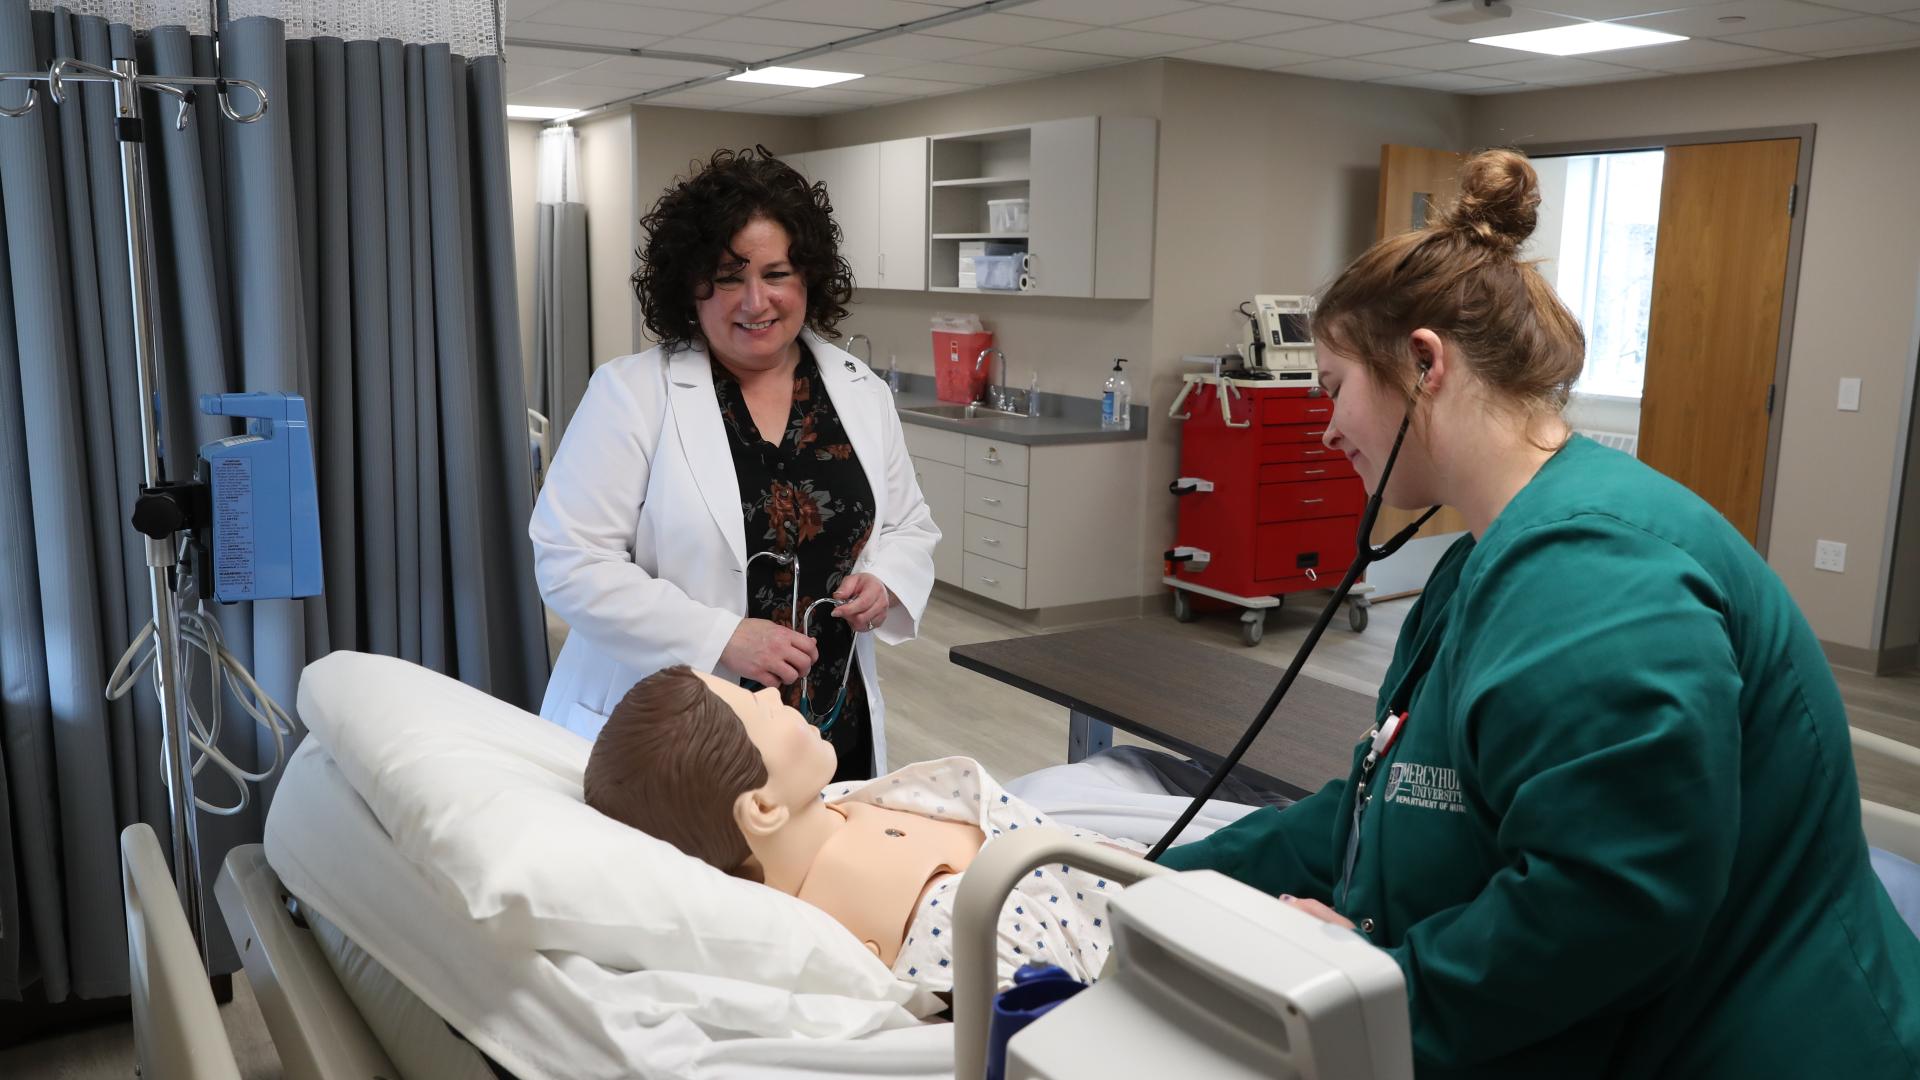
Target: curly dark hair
{"x": 690, "y": 229}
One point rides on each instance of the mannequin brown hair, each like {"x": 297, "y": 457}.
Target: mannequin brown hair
{"x": 670, "y": 762}
{"x": 1461, "y": 277}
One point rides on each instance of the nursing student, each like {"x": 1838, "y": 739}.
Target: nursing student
{"x": 1607, "y": 822}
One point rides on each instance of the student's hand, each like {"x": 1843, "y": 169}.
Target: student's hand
{"x": 768, "y": 653}
{"x": 1318, "y": 910}
{"x": 865, "y": 601}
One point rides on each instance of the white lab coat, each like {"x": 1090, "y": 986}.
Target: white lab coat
{"x": 640, "y": 546}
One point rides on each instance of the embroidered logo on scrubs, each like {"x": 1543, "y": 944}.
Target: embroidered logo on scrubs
{"x": 1429, "y": 787}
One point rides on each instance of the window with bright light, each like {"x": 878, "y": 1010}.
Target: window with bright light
{"x": 1603, "y": 268}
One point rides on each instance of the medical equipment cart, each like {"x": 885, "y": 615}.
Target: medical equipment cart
{"x": 1265, "y": 508}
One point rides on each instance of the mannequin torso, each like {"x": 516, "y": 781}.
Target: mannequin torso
{"x": 870, "y": 873}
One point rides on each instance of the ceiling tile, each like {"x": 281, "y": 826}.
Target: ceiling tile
{"x": 1234, "y": 54}
{"x": 1551, "y": 70}
{"x": 1782, "y": 58}
{"x": 1223, "y": 22}
{"x": 1871, "y": 7}
{"x": 1342, "y": 39}
{"x": 921, "y": 47}
{"x": 894, "y": 84}
{"x": 1687, "y": 55}
{"x": 1103, "y": 12}
{"x": 1008, "y": 29}
{"x": 631, "y": 80}
{"x": 621, "y": 70}
{"x": 1023, "y": 58}
{"x": 745, "y": 52}
{"x": 1910, "y": 16}
{"x": 515, "y": 10}
{"x": 577, "y": 35}
{"x": 1827, "y": 37}
{"x": 1705, "y": 20}
{"x": 971, "y": 74}
{"x": 744, "y": 90}
{"x": 1896, "y": 47}
{"x": 520, "y": 76}
{"x": 795, "y": 35}
{"x": 692, "y": 99}
{"x": 1348, "y": 69}
{"x": 1337, "y": 9}
{"x": 1600, "y": 9}
{"x": 1423, "y": 22}
{"x": 1446, "y": 56}
{"x": 595, "y": 15}
{"x": 564, "y": 93}
{"x": 566, "y": 59}
{"x": 872, "y": 14}
{"x": 1450, "y": 81}
{"x": 857, "y": 62}
{"x": 1113, "y": 41}
{"x": 836, "y": 95}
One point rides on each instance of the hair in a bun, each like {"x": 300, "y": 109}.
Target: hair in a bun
{"x": 1461, "y": 278}
{"x": 1499, "y": 202}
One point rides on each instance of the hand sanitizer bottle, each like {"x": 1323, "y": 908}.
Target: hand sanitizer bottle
{"x": 1116, "y": 402}
{"x": 1033, "y": 395}
{"x": 893, "y": 372}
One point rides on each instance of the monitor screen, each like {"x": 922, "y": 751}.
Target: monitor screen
{"x": 1294, "y": 330}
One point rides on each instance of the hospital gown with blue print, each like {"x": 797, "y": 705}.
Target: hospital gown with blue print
{"x": 1057, "y": 915}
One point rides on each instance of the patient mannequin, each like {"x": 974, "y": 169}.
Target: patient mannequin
{"x": 734, "y": 777}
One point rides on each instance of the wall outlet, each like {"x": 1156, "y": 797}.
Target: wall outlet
{"x": 1830, "y": 555}
{"x": 1849, "y": 395}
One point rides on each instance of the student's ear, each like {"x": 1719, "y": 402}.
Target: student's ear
{"x": 1430, "y": 359}
{"x": 758, "y": 813}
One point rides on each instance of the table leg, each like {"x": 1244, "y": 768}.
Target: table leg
{"x": 1085, "y": 735}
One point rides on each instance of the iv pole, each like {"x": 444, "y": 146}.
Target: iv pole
{"x": 159, "y": 514}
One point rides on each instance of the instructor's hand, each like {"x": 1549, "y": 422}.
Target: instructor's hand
{"x": 864, "y": 601}
{"x": 768, "y": 653}
{"x": 1317, "y": 909}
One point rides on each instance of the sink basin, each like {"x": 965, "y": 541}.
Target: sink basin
{"x": 960, "y": 412}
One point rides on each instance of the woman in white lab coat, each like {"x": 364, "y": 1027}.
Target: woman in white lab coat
{"x": 697, "y": 478}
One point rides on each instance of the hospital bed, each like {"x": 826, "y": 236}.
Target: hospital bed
{"x": 350, "y": 990}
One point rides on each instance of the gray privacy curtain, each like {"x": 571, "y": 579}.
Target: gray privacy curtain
{"x": 354, "y": 246}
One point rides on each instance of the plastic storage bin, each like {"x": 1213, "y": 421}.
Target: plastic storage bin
{"x": 996, "y": 271}
{"x": 1007, "y": 215}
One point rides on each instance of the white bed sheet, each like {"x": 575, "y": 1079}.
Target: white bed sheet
{"x": 544, "y": 1016}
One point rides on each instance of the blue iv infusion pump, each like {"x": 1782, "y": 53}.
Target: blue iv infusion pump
{"x": 260, "y": 537}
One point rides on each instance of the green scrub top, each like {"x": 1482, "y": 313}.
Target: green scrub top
{"x": 1619, "y": 832}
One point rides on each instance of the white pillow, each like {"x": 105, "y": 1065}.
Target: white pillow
{"x": 486, "y": 800}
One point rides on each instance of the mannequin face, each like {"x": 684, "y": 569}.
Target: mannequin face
{"x": 799, "y": 760}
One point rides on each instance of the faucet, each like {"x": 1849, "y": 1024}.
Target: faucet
{"x": 996, "y": 397}
{"x": 868, "y": 359}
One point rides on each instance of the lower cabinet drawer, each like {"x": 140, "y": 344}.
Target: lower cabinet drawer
{"x": 1290, "y": 549}
{"x": 1310, "y": 499}
{"x": 995, "y": 580}
{"x": 1295, "y": 471}
{"x": 997, "y": 499}
{"x": 996, "y": 540}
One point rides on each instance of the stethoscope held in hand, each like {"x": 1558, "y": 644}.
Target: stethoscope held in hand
{"x": 802, "y": 623}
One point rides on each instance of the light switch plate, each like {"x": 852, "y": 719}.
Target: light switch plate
{"x": 1849, "y": 395}
{"x": 1830, "y": 555}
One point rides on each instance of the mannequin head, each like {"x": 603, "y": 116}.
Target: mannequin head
{"x": 706, "y": 765}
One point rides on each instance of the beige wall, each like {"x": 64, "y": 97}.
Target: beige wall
{"x": 522, "y": 170}
{"x": 1856, "y": 314}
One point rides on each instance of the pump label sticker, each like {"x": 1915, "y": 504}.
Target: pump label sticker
{"x": 1428, "y": 787}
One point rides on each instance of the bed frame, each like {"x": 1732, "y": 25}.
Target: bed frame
{"x": 315, "y": 1027}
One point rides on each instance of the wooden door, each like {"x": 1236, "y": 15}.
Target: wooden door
{"x": 1719, "y": 278}
{"x": 1415, "y": 183}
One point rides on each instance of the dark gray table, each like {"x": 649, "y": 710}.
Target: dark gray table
{"x": 1149, "y": 681}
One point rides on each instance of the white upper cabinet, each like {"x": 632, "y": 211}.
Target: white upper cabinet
{"x": 903, "y": 214}
{"x": 852, "y": 176}
{"x": 1087, "y": 189}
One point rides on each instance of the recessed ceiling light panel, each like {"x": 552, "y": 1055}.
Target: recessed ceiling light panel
{"x": 1580, "y": 38}
{"x": 786, "y": 76}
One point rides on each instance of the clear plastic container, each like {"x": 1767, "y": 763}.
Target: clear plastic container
{"x": 1007, "y": 216}
{"x": 996, "y": 271}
